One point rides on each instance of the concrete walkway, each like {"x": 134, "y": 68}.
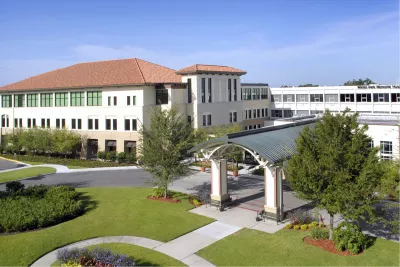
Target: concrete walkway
{"x": 182, "y": 248}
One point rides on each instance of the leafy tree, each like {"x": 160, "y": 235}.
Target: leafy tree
{"x": 308, "y": 85}
{"x": 162, "y": 144}
{"x": 221, "y": 130}
{"x": 65, "y": 141}
{"x": 360, "y": 81}
{"x": 335, "y": 167}
{"x": 389, "y": 185}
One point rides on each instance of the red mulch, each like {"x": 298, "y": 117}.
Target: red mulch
{"x": 327, "y": 245}
{"x": 163, "y": 199}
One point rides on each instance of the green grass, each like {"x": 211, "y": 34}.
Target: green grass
{"x": 24, "y": 173}
{"x": 286, "y": 248}
{"x": 118, "y": 211}
{"x": 142, "y": 256}
{"x": 68, "y": 166}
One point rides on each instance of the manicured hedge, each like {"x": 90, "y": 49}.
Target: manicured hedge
{"x": 66, "y": 161}
{"x": 37, "y": 206}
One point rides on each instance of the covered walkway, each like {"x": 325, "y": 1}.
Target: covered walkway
{"x": 270, "y": 146}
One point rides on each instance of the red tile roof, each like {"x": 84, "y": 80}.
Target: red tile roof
{"x": 101, "y": 73}
{"x": 201, "y": 68}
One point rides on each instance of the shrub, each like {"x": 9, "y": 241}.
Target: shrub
{"x": 318, "y": 233}
{"x": 111, "y": 155}
{"x": 258, "y": 171}
{"x": 158, "y": 192}
{"x": 14, "y": 187}
{"x": 95, "y": 257}
{"x": 121, "y": 157}
{"x": 196, "y": 202}
{"x": 313, "y": 225}
{"x": 322, "y": 225}
{"x": 289, "y": 226}
{"x": 101, "y": 155}
{"x": 131, "y": 157}
{"x": 302, "y": 216}
{"x": 349, "y": 236}
{"x": 296, "y": 227}
{"x": 39, "y": 206}
{"x": 304, "y": 227}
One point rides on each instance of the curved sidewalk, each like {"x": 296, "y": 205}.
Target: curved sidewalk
{"x": 182, "y": 248}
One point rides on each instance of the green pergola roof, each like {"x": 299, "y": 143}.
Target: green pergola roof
{"x": 273, "y": 143}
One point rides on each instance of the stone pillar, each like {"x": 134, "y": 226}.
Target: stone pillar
{"x": 273, "y": 201}
{"x": 219, "y": 182}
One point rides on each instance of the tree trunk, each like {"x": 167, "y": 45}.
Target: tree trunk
{"x": 331, "y": 226}
{"x": 165, "y": 191}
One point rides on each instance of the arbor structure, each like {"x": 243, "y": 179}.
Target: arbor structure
{"x": 335, "y": 167}
{"x": 162, "y": 145}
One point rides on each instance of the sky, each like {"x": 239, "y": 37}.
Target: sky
{"x": 280, "y": 42}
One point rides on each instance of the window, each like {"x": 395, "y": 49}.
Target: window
{"x": 232, "y": 116}
{"x": 381, "y": 97}
{"x": 276, "y": 98}
{"x": 43, "y": 123}
{"x": 250, "y": 127}
{"x": 234, "y": 89}
{"x": 63, "y": 123}
{"x": 363, "y": 97}
{"x": 73, "y": 124}
{"x": 128, "y": 100}
{"x": 161, "y": 96}
{"x": 395, "y": 97}
{"x": 302, "y": 98}
{"x": 6, "y": 101}
{"x": 115, "y": 124}
{"x": 256, "y": 93}
{"x": 246, "y": 93}
{"x": 246, "y": 128}
{"x": 129, "y": 146}
{"x": 288, "y": 98}
{"x": 128, "y": 124}
{"x": 111, "y": 145}
{"x": 18, "y": 123}
{"x": 303, "y": 112}
{"x": 346, "y": 97}
{"x": 189, "y": 91}
{"x": 4, "y": 121}
{"x": 46, "y": 100}
{"x": 19, "y": 101}
{"x": 264, "y": 93}
{"x": 29, "y": 124}
{"x": 331, "y": 97}
{"x": 76, "y": 124}
{"x": 206, "y": 119}
{"x": 262, "y": 113}
{"x": 47, "y": 123}
{"x": 258, "y": 113}
{"x": 115, "y": 100}
{"x": 203, "y": 90}
{"x": 317, "y": 98}
{"x": 15, "y": 123}
{"x": 94, "y": 98}
{"x": 79, "y": 124}
{"x": 254, "y": 113}
{"x": 249, "y": 113}
{"x": 57, "y": 123}
{"x": 313, "y": 112}
{"x": 134, "y": 125}
{"x": 78, "y": 99}
{"x": 209, "y": 90}
{"x": 287, "y": 113}
{"x": 91, "y": 122}
{"x": 108, "y": 124}
{"x": 371, "y": 143}
{"x": 134, "y": 100}
{"x": 109, "y": 101}
{"x": 61, "y": 99}
{"x": 258, "y": 126}
{"x": 266, "y": 112}
{"x": 229, "y": 90}
{"x": 386, "y": 150}
{"x": 32, "y": 100}
{"x": 276, "y": 113}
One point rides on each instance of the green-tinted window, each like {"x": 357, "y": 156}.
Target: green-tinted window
{"x": 19, "y": 101}
{"x": 77, "y": 99}
{"x": 94, "y": 98}
{"x": 32, "y": 100}
{"x": 61, "y": 99}
{"x": 6, "y": 101}
{"x": 46, "y": 100}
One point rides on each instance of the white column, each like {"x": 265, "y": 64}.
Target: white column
{"x": 219, "y": 182}
{"x": 273, "y": 201}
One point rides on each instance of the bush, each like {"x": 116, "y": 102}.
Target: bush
{"x": 14, "y": 187}
{"x": 131, "y": 157}
{"x": 158, "y": 192}
{"x": 304, "y": 227}
{"x": 349, "y": 236}
{"x": 121, "y": 157}
{"x": 322, "y": 225}
{"x": 296, "y": 227}
{"x": 38, "y": 207}
{"x": 258, "y": 171}
{"x": 302, "y": 216}
{"x": 318, "y": 233}
{"x": 101, "y": 155}
{"x": 95, "y": 257}
{"x": 289, "y": 226}
{"x": 313, "y": 225}
{"x": 111, "y": 155}
{"x": 196, "y": 202}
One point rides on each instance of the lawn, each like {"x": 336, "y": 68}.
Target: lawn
{"x": 117, "y": 211}
{"x": 286, "y": 248}
{"x": 68, "y": 166}
{"x": 24, "y": 173}
{"x": 142, "y": 256}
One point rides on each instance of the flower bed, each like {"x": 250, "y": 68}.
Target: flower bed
{"x": 95, "y": 257}
{"x": 327, "y": 245}
{"x": 37, "y": 206}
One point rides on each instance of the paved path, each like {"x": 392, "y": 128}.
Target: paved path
{"x": 182, "y": 248}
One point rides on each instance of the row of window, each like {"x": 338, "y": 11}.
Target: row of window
{"x": 255, "y": 113}
{"x": 232, "y": 85}
{"x": 76, "y": 124}
{"x": 254, "y": 93}
{"x": 377, "y": 97}
{"x": 94, "y": 98}
{"x": 251, "y": 127}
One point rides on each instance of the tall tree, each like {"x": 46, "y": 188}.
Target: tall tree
{"x": 360, "y": 81}
{"x": 162, "y": 144}
{"x": 335, "y": 167}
